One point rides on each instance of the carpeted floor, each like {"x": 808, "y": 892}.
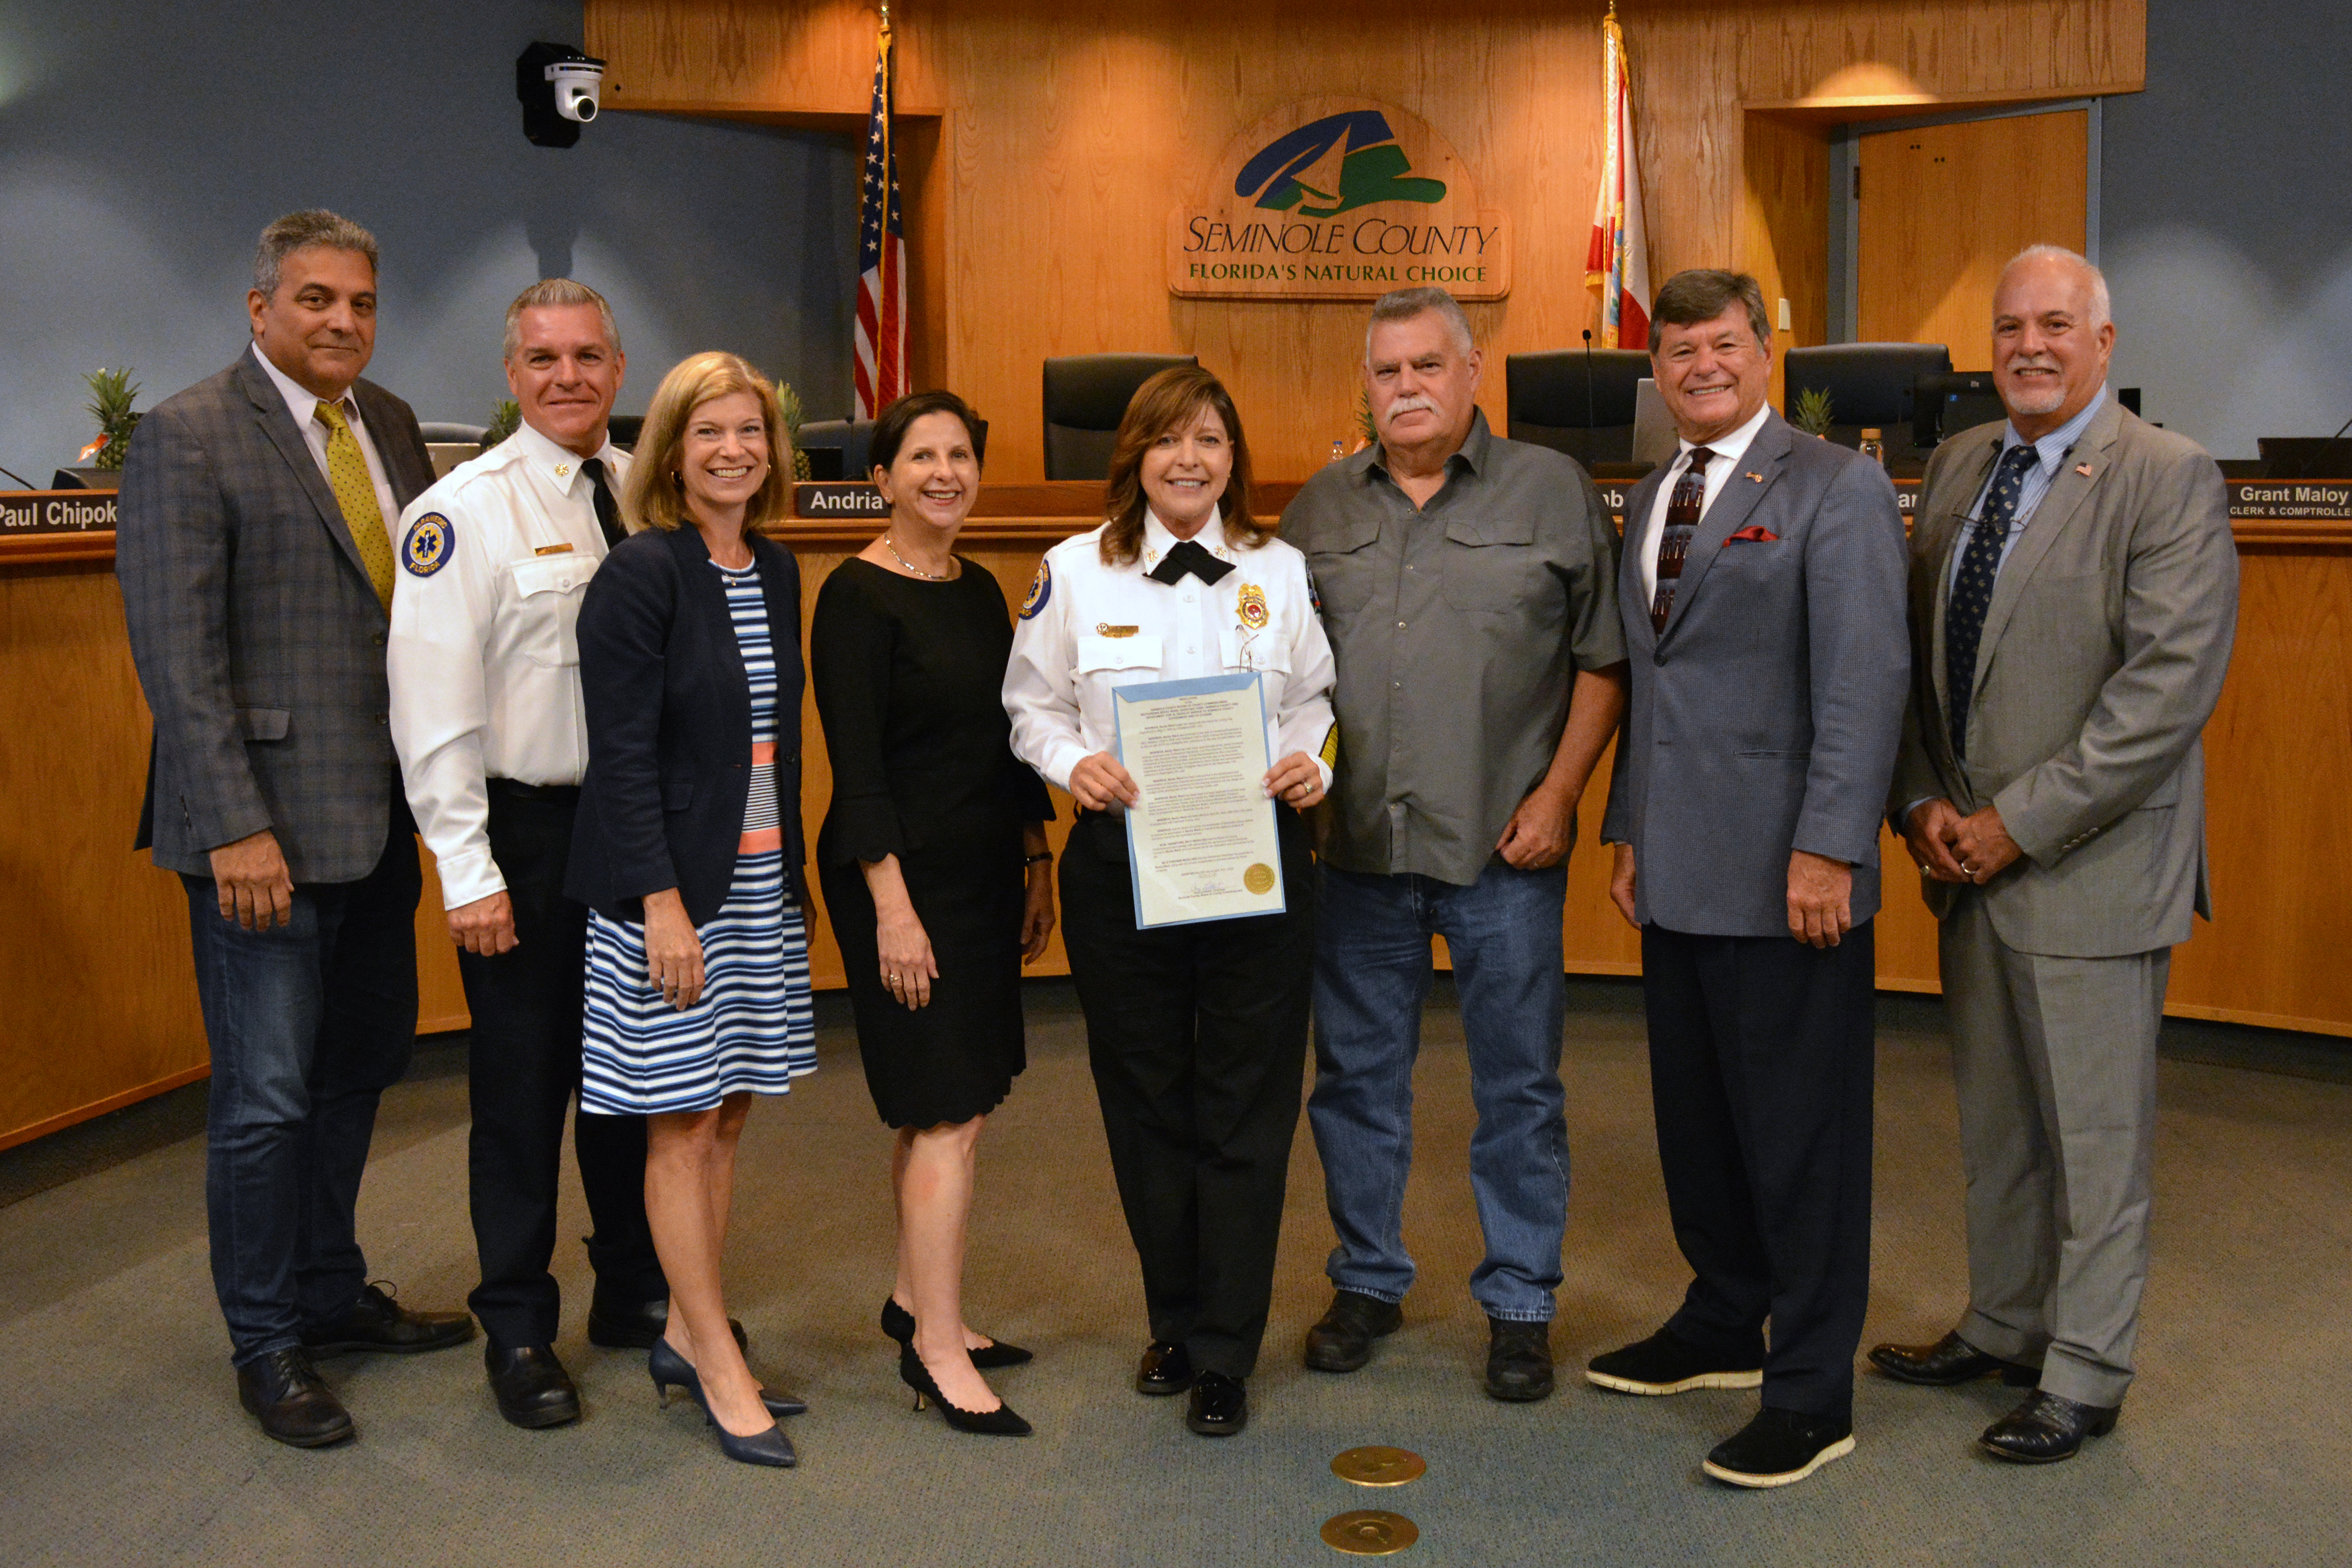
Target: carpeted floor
{"x": 120, "y": 1439}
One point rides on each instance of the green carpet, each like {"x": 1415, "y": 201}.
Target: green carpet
{"x": 122, "y": 1441}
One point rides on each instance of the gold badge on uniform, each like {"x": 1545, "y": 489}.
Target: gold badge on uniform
{"x": 1259, "y": 879}
{"x": 1251, "y": 608}
{"x": 1104, "y": 628}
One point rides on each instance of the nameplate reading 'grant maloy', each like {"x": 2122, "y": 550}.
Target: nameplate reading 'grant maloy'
{"x": 56, "y": 511}
{"x": 2291, "y": 501}
{"x": 1338, "y": 198}
{"x": 841, "y": 497}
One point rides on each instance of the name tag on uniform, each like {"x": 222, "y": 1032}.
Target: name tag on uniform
{"x": 553, "y": 549}
{"x": 1104, "y": 629}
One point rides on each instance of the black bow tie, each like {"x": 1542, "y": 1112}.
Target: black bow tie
{"x": 1188, "y": 556}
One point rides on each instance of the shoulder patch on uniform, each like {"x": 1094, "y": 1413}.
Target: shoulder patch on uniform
{"x": 429, "y": 544}
{"x": 1040, "y": 588}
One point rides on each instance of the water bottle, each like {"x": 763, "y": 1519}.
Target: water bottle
{"x": 1339, "y": 450}
{"x": 1873, "y": 448}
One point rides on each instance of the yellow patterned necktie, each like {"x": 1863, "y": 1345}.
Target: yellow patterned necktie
{"x": 346, "y": 471}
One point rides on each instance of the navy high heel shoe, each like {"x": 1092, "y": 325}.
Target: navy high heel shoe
{"x": 900, "y": 1324}
{"x": 1001, "y": 1422}
{"x": 670, "y": 1370}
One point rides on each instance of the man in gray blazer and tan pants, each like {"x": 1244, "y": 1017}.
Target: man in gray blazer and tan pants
{"x": 2074, "y": 593}
{"x": 256, "y": 568}
{"x": 1761, "y": 588}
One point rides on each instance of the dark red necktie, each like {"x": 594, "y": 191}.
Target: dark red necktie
{"x": 1683, "y": 506}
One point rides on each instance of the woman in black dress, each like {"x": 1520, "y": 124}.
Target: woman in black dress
{"x": 935, "y": 871}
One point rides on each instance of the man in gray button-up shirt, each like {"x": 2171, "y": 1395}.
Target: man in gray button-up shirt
{"x": 1468, "y": 587}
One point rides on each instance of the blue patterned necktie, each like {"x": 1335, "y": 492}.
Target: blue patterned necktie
{"x": 1964, "y": 618}
{"x": 1684, "y": 504}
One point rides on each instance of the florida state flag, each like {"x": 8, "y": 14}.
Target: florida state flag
{"x": 1618, "y": 264}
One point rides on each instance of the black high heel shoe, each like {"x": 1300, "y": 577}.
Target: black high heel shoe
{"x": 1001, "y": 1422}
{"x": 670, "y": 1370}
{"x": 769, "y": 1448}
{"x": 900, "y": 1324}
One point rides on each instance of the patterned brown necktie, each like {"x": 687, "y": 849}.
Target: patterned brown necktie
{"x": 1683, "y": 506}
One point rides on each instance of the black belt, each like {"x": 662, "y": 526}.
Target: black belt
{"x": 514, "y": 789}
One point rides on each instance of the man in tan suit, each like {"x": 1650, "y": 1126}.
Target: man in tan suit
{"x": 2073, "y": 592}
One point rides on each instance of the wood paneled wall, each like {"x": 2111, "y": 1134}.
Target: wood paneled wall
{"x": 1063, "y": 137}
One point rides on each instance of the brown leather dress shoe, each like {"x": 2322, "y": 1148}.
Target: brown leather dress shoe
{"x": 283, "y": 1392}
{"x": 1949, "y": 1362}
{"x": 377, "y": 1322}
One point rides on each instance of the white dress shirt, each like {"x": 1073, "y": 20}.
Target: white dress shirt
{"x": 1086, "y": 628}
{"x": 484, "y": 654}
{"x": 1728, "y": 453}
{"x": 304, "y": 406}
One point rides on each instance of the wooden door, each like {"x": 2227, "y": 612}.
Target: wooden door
{"x": 1942, "y": 208}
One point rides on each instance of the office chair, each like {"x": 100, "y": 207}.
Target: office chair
{"x": 1551, "y": 404}
{"x": 1086, "y": 397}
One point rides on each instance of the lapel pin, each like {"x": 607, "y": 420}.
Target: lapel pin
{"x": 1757, "y": 477}
{"x": 2084, "y": 469}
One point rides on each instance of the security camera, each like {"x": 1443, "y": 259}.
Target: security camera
{"x": 575, "y": 89}
{"x": 558, "y": 86}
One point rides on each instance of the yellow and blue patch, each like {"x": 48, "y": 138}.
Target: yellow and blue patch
{"x": 1040, "y": 588}
{"x": 430, "y": 541}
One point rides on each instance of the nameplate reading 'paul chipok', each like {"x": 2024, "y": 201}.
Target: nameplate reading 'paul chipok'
{"x": 1338, "y": 198}
{"x": 42, "y": 512}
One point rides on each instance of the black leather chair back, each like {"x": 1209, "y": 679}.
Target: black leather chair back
{"x": 1550, "y": 402}
{"x": 1870, "y": 386}
{"x": 1086, "y": 397}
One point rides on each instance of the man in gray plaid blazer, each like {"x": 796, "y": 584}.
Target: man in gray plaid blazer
{"x": 256, "y": 568}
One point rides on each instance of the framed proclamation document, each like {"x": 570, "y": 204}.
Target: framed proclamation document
{"x": 1200, "y": 837}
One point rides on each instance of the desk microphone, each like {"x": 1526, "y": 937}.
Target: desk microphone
{"x": 31, "y": 485}
{"x": 1589, "y": 420}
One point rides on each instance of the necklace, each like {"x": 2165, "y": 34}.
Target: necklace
{"x": 926, "y": 576}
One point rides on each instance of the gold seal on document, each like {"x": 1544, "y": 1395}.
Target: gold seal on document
{"x": 1259, "y": 879}
{"x": 1251, "y": 608}
{"x": 1369, "y": 1533}
{"x": 1380, "y": 1467}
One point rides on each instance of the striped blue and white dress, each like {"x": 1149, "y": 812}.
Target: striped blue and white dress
{"x": 753, "y": 1028}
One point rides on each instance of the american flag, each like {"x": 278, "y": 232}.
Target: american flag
{"x": 881, "y": 255}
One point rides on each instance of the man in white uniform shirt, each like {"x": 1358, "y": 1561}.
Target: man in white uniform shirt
{"x": 493, "y": 740}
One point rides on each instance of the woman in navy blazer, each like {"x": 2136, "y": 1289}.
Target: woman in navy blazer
{"x": 686, "y": 848}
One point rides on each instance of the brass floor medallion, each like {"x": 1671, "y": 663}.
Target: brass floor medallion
{"x": 1369, "y": 1533}
{"x": 1380, "y": 1467}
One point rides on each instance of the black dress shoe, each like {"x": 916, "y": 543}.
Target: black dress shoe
{"x": 531, "y": 1385}
{"x": 1165, "y": 1369}
{"x": 2048, "y": 1427}
{"x": 377, "y": 1322}
{"x": 1518, "y": 1361}
{"x": 619, "y": 1325}
{"x": 1779, "y": 1446}
{"x": 1219, "y": 1407}
{"x": 1947, "y": 1362}
{"x": 1664, "y": 1365}
{"x": 283, "y": 1392}
{"x": 1342, "y": 1342}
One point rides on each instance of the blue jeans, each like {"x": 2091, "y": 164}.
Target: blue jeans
{"x": 1371, "y": 977}
{"x": 310, "y": 1022}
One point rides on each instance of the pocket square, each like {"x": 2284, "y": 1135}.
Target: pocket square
{"x": 1754, "y": 533}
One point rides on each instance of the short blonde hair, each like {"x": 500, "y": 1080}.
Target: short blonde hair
{"x": 652, "y": 498}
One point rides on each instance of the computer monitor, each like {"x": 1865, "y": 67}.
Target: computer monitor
{"x": 1944, "y": 405}
{"x": 1653, "y": 428}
